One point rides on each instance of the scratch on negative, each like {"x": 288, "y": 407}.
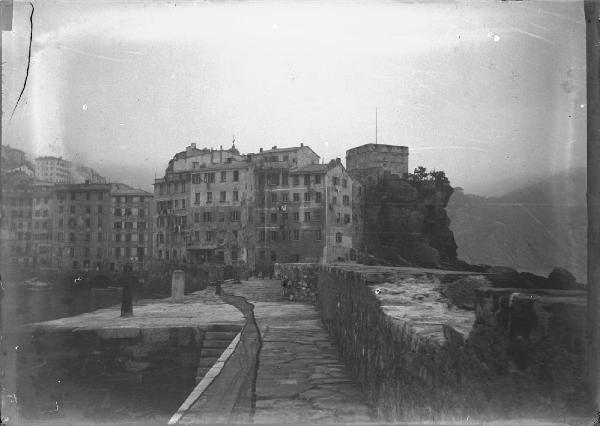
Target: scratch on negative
{"x": 28, "y": 61}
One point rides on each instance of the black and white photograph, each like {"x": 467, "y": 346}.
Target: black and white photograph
{"x": 337, "y": 212}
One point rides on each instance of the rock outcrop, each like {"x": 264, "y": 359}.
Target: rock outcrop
{"x": 406, "y": 221}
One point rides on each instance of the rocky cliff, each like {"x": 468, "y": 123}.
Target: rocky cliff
{"x": 405, "y": 220}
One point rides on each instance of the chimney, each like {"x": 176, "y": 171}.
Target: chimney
{"x": 301, "y": 144}
{"x": 337, "y": 160}
{"x": 261, "y": 150}
{"x": 274, "y": 147}
{"x": 194, "y": 146}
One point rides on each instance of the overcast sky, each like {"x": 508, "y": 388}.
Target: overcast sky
{"x": 487, "y": 91}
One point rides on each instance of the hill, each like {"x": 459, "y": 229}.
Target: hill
{"x": 534, "y": 228}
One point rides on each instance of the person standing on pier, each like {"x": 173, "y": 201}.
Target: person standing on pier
{"x": 128, "y": 281}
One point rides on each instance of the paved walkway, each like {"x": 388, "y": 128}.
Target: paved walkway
{"x": 300, "y": 376}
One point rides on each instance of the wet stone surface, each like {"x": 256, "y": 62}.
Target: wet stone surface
{"x": 300, "y": 376}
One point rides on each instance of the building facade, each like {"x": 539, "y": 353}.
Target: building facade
{"x": 130, "y": 227}
{"x": 73, "y": 226}
{"x": 53, "y": 169}
{"x": 277, "y": 205}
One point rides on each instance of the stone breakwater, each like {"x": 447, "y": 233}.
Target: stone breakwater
{"x": 498, "y": 353}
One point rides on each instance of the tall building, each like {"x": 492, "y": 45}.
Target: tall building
{"x": 82, "y": 226}
{"x": 74, "y": 226}
{"x": 130, "y": 227}
{"x": 272, "y": 206}
{"x": 53, "y": 169}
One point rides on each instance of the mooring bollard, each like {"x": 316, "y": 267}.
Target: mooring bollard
{"x": 178, "y": 286}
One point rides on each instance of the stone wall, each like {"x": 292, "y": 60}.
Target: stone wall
{"x": 512, "y": 354}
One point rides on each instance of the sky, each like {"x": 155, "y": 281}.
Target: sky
{"x": 491, "y": 92}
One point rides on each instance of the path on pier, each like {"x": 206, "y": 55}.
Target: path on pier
{"x": 300, "y": 376}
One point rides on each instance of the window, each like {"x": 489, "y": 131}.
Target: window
{"x": 318, "y": 236}
{"x": 306, "y": 179}
{"x": 196, "y": 178}
{"x": 317, "y": 178}
{"x": 235, "y": 196}
{"x": 236, "y": 175}
{"x": 317, "y": 197}
{"x": 117, "y": 238}
{"x": 234, "y": 216}
{"x": 262, "y": 218}
{"x": 272, "y": 179}
{"x": 197, "y": 235}
{"x": 261, "y": 235}
{"x": 128, "y": 238}
{"x": 128, "y": 225}
{"x": 208, "y": 236}
{"x": 344, "y": 183}
{"x": 183, "y": 204}
{"x": 224, "y": 176}
{"x": 117, "y": 225}
{"x": 284, "y": 178}
{"x": 283, "y": 235}
{"x": 261, "y": 255}
{"x": 318, "y": 215}
{"x": 59, "y": 236}
{"x": 336, "y": 181}
{"x": 339, "y": 217}
{"x": 338, "y": 237}
{"x": 284, "y": 216}
{"x": 296, "y": 234}
{"x": 307, "y": 216}
{"x": 61, "y": 209}
{"x": 273, "y": 235}
{"x": 141, "y": 238}
{"x": 117, "y": 211}
{"x": 88, "y": 209}
{"x": 207, "y": 217}
{"x": 99, "y": 237}
{"x": 273, "y": 256}
{"x": 197, "y": 198}
{"x": 307, "y": 197}
{"x": 296, "y": 217}
{"x": 284, "y": 197}
{"x": 87, "y": 222}
{"x": 346, "y": 200}
{"x": 209, "y": 197}
{"x": 71, "y": 237}
{"x": 175, "y": 201}
{"x": 221, "y": 217}
{"x": 142, "y": 225}
{"x": 234, "y": 234}
{"x": 346, "y": 218}
{"x": 196, "y": 217}
{"x": 223, "y": 197}
{"x": 296, "y": 180}
{"x": 99, "y": 209}
{"x": 273, "y": 197}
{"x": 296, "y": 197}
{"x": 273, "y": 217}
{"x": 234, "y": 255}
{"x": 209, "y": 177}
{"x": 334, "y": 200}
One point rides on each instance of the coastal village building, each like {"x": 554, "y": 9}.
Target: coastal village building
{"x": 70, "y": 226}
{"x": 130, "y": 227}
{"x": 273, "y": 206}
{"x": 53, "y": 169}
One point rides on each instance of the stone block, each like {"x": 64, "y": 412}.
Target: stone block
{"x": 177, "y": 286}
